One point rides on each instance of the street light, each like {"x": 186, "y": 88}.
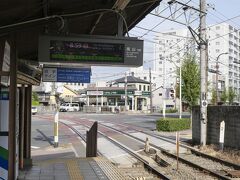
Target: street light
{"x": 217, "y": 75}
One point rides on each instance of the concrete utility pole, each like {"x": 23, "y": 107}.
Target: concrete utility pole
{"x": 150, "y": 88}
{"x": 180, "y": 91}
{"x": 164, "y": 88}
{"x": 203, "y": 69}
{"x": 126, "y": 101}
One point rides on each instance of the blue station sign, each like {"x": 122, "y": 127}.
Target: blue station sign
{"x": 72, "y": 75}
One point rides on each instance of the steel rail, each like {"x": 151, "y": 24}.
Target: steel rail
{"x": 146, "y": 163}
{"x": 193, "y": 150}
{"x": 80, "y": 135}
{"x": 173, "y": 155}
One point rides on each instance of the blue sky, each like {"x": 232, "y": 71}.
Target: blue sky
{"x": 223, "y": 9}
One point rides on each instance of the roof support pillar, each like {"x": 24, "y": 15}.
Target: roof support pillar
{"x": 27, "y": 126}
{"x": 21, "y": 125}
{"x": 12, "y": 110}
{"x": 120, "y": 26}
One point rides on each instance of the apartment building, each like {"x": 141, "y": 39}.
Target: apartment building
{"x": 223, "y": 47}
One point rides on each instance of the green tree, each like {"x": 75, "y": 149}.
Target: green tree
{"x": 34, "y": 96}
{"x": 190, "y": 80}
{"x": 214, "y": 97}
{"x": 231, "y": 95}
{"x": 35, "y": 100}
{"x": 224, "y": 96}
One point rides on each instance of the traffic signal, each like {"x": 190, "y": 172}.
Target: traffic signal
{"x": 172, "y": 94}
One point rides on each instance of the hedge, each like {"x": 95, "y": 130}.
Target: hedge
{"x": 169, "y": 111}
{"x": 35, "y": 103}
{"x": 173, "y": 124}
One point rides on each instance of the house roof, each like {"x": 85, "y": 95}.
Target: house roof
{"x": 70, "y": 89}
{"x": 130, "y": 79}
{"x": 108, "y": 88}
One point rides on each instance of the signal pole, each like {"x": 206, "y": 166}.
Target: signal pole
{"x": 126, "y": 99}
{"x": 203, "y": 69}
{"x": 150, "y": 88}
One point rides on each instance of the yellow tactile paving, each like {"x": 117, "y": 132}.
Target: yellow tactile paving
{"x": 109, "y": 169}
{"x": 73, "y": 169}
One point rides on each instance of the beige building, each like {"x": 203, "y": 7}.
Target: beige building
{"x": 138, "y": 94}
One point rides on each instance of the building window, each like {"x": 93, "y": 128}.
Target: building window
{"x": 140, "y": 87}
{"x": 217, "y": 27}
{"x": 217, "y": 43}
{"x": 160, "y": 94}
{"x": 144, "y": 88}
{"x": 145, "y": 78}
{"x": 217, "y": 50}
{"x": 148, "y": 88}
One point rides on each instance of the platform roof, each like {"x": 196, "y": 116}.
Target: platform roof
{"x": 29, "y": 18}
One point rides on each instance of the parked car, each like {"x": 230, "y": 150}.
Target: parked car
{"x": 67, "y": 107}
{"x": 34, "y": 110}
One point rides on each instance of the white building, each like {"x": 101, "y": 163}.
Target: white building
{"x": 223, "y": 38}
{"x": 223, "y": 45}
{"x": 169, "y": 51}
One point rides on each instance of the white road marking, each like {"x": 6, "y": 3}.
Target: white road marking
{"x": 35, "y": 147}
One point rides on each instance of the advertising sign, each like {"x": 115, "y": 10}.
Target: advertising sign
{"x": 6, "y": 64}
{"x": 93, "y": 50}
{"x": 59, "y": 74}
{"x": 94, "y": 93}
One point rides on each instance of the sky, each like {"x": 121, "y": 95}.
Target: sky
{"x": 218, "y": 11}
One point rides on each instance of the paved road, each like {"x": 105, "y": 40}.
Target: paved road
{"x": 144, "y": 121}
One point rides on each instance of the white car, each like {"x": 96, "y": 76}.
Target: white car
{"x": 34, "y": 110}
{"x": 67, "y": 107}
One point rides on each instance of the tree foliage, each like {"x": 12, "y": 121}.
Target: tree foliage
{"x": 34, "y": 96}
{"x": 190, "y": 81}
{"x": 231, "y": 95}
{"x": 214, "y": 97}
{"x": 224, "y": 96}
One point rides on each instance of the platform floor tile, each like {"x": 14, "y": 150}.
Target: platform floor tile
{"x": 72, "y": 169}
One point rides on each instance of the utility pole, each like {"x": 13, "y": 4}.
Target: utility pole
{"x": 203, "y": 69}
{"x": 126, "y": 100}
{"x": 150, "y": 88}
{"x": 180, "y": 91}
{"x": 164, "y": 88}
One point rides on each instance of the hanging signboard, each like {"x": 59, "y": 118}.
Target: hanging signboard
{"x": 72, "y": 75}
{"x": 6, "y": 64}
{"x": 93, "y": 50}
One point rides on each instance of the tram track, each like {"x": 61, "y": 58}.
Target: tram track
{"x": 162, "y": 172}
{"x": 126, "y": 149}
{"x": 173, "y": 141}
{"x": 189, "y": 158}
{"x": 195, "y": 160}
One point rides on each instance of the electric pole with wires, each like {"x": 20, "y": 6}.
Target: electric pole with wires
{"x": 203, "y": 73}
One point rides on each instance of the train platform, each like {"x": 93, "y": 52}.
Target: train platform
{"x": 62, "y": 164}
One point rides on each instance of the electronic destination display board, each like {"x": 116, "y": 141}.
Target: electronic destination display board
{"x": 86, "y": 51}
{"x": 91, "y": 50}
